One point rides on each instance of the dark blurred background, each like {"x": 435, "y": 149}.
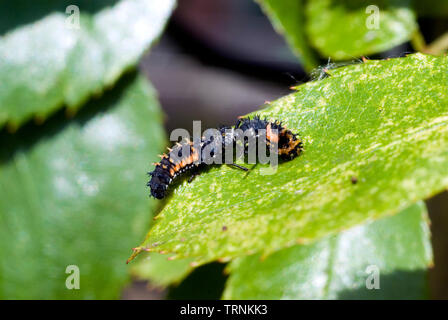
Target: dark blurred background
{"x": 221, "y": 59}
{"x": 218, "y": 60}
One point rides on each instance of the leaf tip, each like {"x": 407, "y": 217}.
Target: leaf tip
{"x": 136, "y": 252}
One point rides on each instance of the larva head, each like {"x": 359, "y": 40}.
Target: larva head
{"x": 158, "y": 193}
{"x": 289, "y": 145}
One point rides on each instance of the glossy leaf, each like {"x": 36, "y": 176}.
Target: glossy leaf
{"x": 288, "y": 18}
{"x": 376, "y": 141}
{"x": 73, "y": 193}
{"x": 345, "y": 30}
{"x": 390, "y": 255}
{"x": 50, "y": 62}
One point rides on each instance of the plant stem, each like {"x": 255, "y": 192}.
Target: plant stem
{"x": 418, "y": 41}
{"x": 438, "y": 46}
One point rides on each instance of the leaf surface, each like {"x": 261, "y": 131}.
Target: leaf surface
{"x": 392, "y": 254}
{"x": 72, "y": 192}
{"x": 375, "y": 142}
{"x": 345, "y": 30}
{"x": 50, "y": 63}
{"x": 160, "y": 271}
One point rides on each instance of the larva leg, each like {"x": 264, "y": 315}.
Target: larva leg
{"x": 192, "y": 177}
{"x": 194, "y": 173}
{"x": 238, "y": 166}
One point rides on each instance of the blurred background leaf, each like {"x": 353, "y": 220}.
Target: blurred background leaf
{"x": 338, "y": 29}
{"x": 20, "y": 12}
{"x": 160, "y": 271}
{"x": 350, "y": 123}
{"x": 44, "y": 64}
{"x": 72, "y": 193}
{"x": 335, "y": 267}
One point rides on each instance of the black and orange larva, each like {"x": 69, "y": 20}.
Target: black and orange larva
{"x": 176, "y": 162}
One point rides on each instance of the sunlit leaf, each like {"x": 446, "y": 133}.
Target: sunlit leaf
{"x": 386, "y": 259}
{"x": 50, "y": 62}
{"x": 376, "y": 141}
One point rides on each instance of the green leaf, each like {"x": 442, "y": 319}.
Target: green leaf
{"x": 72, "y": 192}
{"x": 341, "y": 29}
{"x": 384, "y": 123}
{"x": 45, "y": 65}
{"x": 160, "y": 271}
{"x": 338, "y": 267}
{"x": 288, "y": 18}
